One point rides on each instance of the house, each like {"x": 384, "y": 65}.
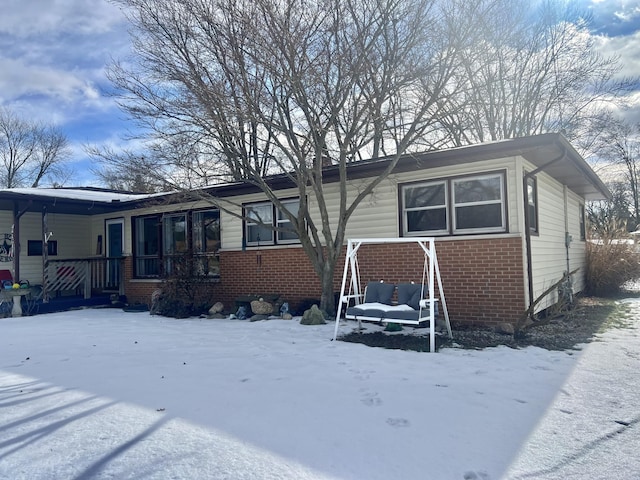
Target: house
{"x": 508, "y": 218}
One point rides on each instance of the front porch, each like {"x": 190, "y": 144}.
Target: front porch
{"x": 71, "y": 283}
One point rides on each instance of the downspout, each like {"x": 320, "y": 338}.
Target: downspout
{"x": 527, "y": 222}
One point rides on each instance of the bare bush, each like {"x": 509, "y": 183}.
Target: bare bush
{"x": 612, "y": 261}
{"x": 183, "y": 293}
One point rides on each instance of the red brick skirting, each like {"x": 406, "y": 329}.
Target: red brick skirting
{"x": 483, "y": 280}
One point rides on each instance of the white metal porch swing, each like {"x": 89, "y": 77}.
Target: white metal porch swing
{"x": 416, "y": 303}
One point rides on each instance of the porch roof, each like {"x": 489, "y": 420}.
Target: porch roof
{"x": 76, "y": 201}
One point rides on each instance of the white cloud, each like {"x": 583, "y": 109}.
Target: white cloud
{"x": 626, "y": 47}
{"x": 18, "y": 79}
{"x": 26, "y": 18}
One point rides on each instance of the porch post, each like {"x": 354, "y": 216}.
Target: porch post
{"x": 15, "y": 231}
{"x": 45, "y": 257}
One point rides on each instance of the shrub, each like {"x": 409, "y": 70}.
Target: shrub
{"x": 184, "y": 293}
{"x": 612, "y": 260}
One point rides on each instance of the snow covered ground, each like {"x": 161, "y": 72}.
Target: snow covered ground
{"x": 104, "y": 394}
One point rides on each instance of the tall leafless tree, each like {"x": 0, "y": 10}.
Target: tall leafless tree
{"x": 285, "y": 86}
{"x": 31, "y": 153}
{"x": 620, "y": 147}
{"x": 532, "y": 72}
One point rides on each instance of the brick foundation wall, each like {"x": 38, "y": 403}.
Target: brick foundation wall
{"x": 137, "y": 291}
{"x": 483, "y": 279}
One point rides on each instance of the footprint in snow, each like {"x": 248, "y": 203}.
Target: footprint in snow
{"x": 479, "y": 475}
{"x": 371, "y": 399}
{"x": 398, "y": 422}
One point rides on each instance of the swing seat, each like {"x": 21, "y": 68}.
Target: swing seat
{"x": 378, "y": 305}
{"x": 376, "y": 302}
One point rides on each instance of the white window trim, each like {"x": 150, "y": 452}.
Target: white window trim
{"x": 275, "y": 223}
{"x": 280, "y": 221}
{"x": 249, "y": 223}
{"x": 501, "y": 201}
{"x": 405, "y": 219}
{"x": 451, "y": 206}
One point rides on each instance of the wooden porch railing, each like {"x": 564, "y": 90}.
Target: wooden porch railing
{"x": 86, "y": 275}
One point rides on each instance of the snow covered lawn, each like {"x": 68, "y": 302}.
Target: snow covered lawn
{"x": 104, "y": 394}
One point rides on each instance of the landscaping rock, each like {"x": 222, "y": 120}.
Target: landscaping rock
{"x": 257, "y": 318}
{"x": 313, "y": 316}
{"x": 505, "y": 329}
{"x": 261, "y": 307}
{"x": 217, "y": 307}
{"x": 287, "y": 316}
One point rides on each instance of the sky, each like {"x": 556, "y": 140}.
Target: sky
{"x": 104, "y": 394}
{"x": 54, "y": 54}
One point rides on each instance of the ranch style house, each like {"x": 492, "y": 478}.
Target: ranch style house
{"x": 508, "y": 218}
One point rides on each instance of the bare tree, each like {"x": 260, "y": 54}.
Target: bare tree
{"x": 532, "y": 72}
{"x": 289, "y": 86}
{"x": 31, "y": 153}
{"x": 128, "y": 170}
{"x": 619, "y": 145}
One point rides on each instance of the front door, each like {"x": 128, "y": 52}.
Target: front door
{"x": 114, "y": 247}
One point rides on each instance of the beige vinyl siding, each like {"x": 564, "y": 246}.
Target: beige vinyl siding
{"x": 548, "y": 247}
{"x": 70, "y": 231}
{"x": 577, "y": 248}
{"x": 378, "y": 214}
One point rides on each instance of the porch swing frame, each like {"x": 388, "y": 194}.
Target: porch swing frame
{"x": 355, "y": 291}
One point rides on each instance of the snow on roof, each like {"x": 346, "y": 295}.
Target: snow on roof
{"x": 92, "y": 195}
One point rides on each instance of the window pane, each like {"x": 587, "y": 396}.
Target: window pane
{"x": 175, "y": 234}
{"x": 206, "y": 231}
{"x": 424, "y": 196}
{"x": 477, "y": 190}
{"x": 479, "y": 216}
{"x": 147, "y": 246}
{"x": 258, "y": 233}
{"x": 531, "y": 192}
{"x": 206, "y": 242}
{"x": 533, "y": 220}
{"x": 532, "y": 204}
{"x": 426, "y": 220}
{"x": 261, "y": 213}
{"x": 147, "y": 236}
{"x": 259, "y": 230}
{"x": 292, "y": 206}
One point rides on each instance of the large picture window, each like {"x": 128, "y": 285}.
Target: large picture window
{"x": 186, "y": 238}
{"x": 472, "y": 204}
{"x": 267, "y": 225}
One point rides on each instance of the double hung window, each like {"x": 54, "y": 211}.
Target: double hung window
{"x": 267, "y": 225}
{"x": 425, "y": 208}
{"x": 471, "y": 204}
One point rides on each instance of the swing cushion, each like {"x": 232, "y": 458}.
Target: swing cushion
{"x": 409, "y": 294}
{"x": 379, "y": 292}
